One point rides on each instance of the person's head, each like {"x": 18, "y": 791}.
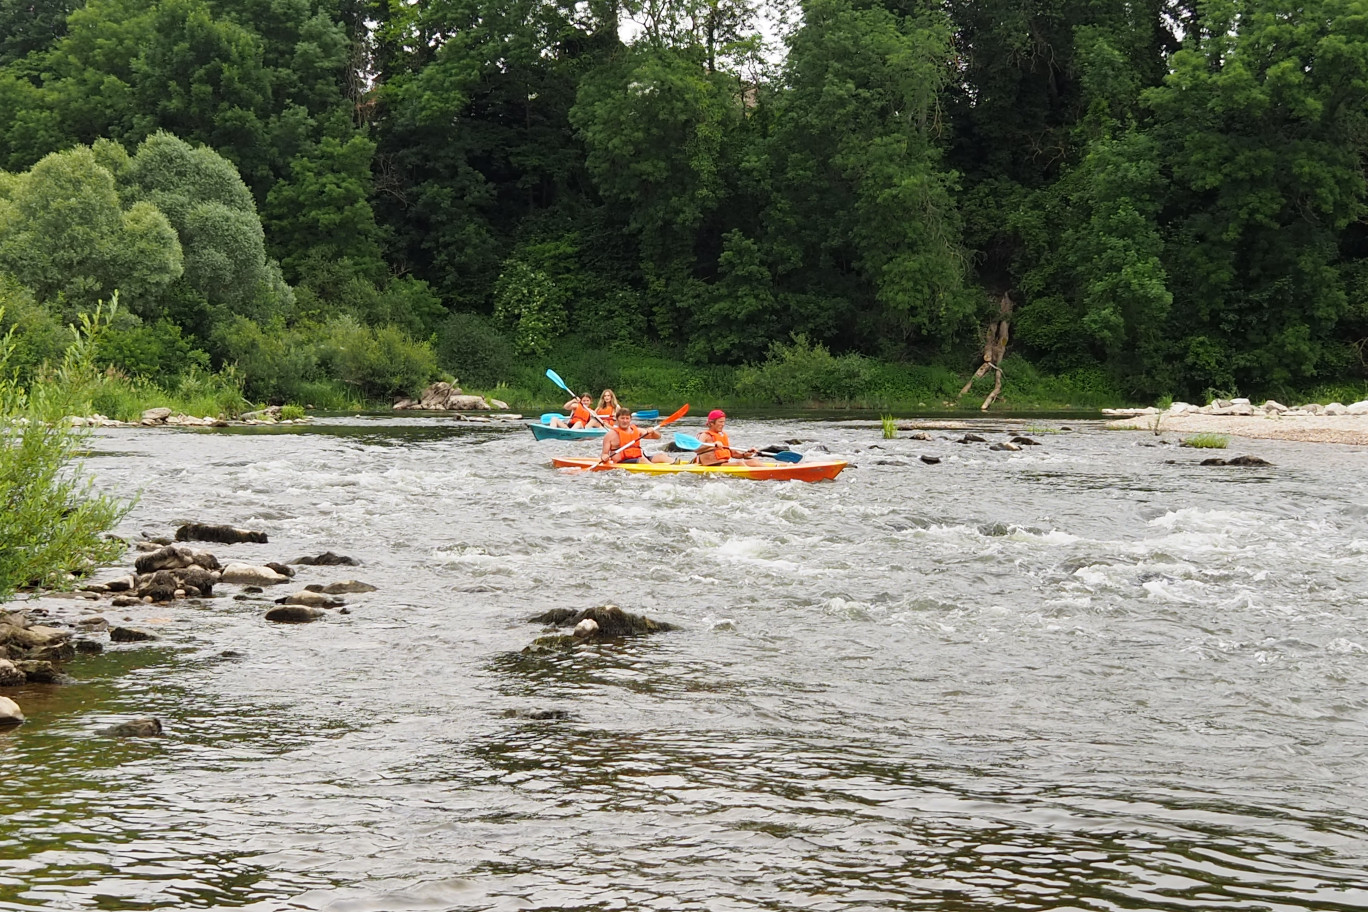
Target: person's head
{"x": 586, "y": 400}
{"x": 624, "y": 417}
{"x": 717, "y": 419}
{"x": 608, "y": 397}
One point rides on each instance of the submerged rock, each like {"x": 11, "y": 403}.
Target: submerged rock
{"x": 294, "y": 614}
{"x": 311, "y": 599}
{"x": 611, "y": 620}
{"x": 134, "y": 728}
{"x": 327, "y": 559}
{"x": 129, "y": 635}
{"x": 341, "y": 587}
{"x": 228, "y": 535}
{"x": 1237, "y": 461}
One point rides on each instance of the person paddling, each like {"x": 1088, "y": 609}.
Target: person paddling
{"x": 622, "y": 443}
{"x": 581, "y": 413}
{"x": 717, "y": 449}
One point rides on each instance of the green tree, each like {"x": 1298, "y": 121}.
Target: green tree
{"x": 323, "y": 212}
{"x": 864, "y": 207}
{"x": 1261, "y": 123}
{"x": 215, "y": 217}
{"x": 31, "y": 25}
{"x": 66, "y": 235}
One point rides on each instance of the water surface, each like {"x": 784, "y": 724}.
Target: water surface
{"x": 1085, "y": 675}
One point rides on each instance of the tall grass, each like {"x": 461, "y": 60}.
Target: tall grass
{"x": 51, "y": 522}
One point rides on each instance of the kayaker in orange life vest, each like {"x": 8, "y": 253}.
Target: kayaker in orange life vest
{"x": 717, "y": 448}
{"x": 581, "y": 414}
{"x": 622, "y": 443}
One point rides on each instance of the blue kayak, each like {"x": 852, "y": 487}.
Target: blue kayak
{"x": 544, "y": 431}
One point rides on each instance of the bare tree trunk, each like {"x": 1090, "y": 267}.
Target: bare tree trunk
{"x": 994, "y": 350}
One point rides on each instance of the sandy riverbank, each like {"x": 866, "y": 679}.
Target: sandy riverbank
{"x": 1345, "y": 429}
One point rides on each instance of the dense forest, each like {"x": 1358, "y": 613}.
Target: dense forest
{"x": 307, "y": 193}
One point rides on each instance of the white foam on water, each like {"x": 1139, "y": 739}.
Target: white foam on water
{"x": 1343, "y": 646}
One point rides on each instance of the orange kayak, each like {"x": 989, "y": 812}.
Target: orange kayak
{"x": 770, "y": 471}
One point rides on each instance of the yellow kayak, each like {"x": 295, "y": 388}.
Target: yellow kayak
{"x": 770, "y": 471}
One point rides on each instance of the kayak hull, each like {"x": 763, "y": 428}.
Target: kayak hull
{"x": 770, "y": 471}
{"x": 547, "y": 432}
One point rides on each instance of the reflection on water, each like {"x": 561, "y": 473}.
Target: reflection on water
{"x": 1079, "y": 676}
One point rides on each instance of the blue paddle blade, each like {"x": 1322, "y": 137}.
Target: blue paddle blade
{"x": 686, "y": 441}
{"x": 547, "y": 416}
{"x": 555, "y": 378}
{"x": 786, "y": 456}
{"x": 646, "y": 415}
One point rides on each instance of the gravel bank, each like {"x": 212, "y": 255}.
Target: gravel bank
{"x": 1346, "y": 429}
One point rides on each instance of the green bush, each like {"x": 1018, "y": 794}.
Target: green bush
{"x": 51, "y": 523}
{"x": 38, "y": 336}
{"x": 156, "y": 351}
{"x": 530, "y": 304}
{"x": 379, "y": 363}
{"x": 804, "y": 372}
{"x": 273, "y": 362}
{"x": 472, "y": 349}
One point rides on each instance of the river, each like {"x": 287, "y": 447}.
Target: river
{"x": 1087, "y": 675}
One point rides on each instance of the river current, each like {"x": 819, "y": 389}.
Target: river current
{"x": 1087, "y": 675}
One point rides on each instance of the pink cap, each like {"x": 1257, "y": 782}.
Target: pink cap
{"x": 715, "y": 414}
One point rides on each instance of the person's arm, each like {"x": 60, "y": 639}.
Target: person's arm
{"x": 610, "y": 443}
{"x": 653, "y": 433}
{"x": 571, "y": 403}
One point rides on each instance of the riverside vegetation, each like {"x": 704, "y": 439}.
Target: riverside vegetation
{"x": 334, "y": 203}
{"x": 51, "y": 523}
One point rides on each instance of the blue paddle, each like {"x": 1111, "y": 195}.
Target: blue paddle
{"x": 555, "y": 378}
{"x": 689, "y": 442}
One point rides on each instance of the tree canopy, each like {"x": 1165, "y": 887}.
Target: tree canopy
{"x": 1172, "y": 194}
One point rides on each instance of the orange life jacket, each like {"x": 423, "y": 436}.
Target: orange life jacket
{"x": 628, "y": 445}
{"x": 580, "y": 414}
{"x": 722, "y": 452}
{"x": 607, "y": 411}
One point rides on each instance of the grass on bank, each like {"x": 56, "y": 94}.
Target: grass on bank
{"x": 1206, "y": 441}
{"x": 795, "y": 374}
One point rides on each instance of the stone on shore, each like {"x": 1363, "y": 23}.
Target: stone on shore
{"x": 10, "y": 675}
{"x": 443, "y": 397}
